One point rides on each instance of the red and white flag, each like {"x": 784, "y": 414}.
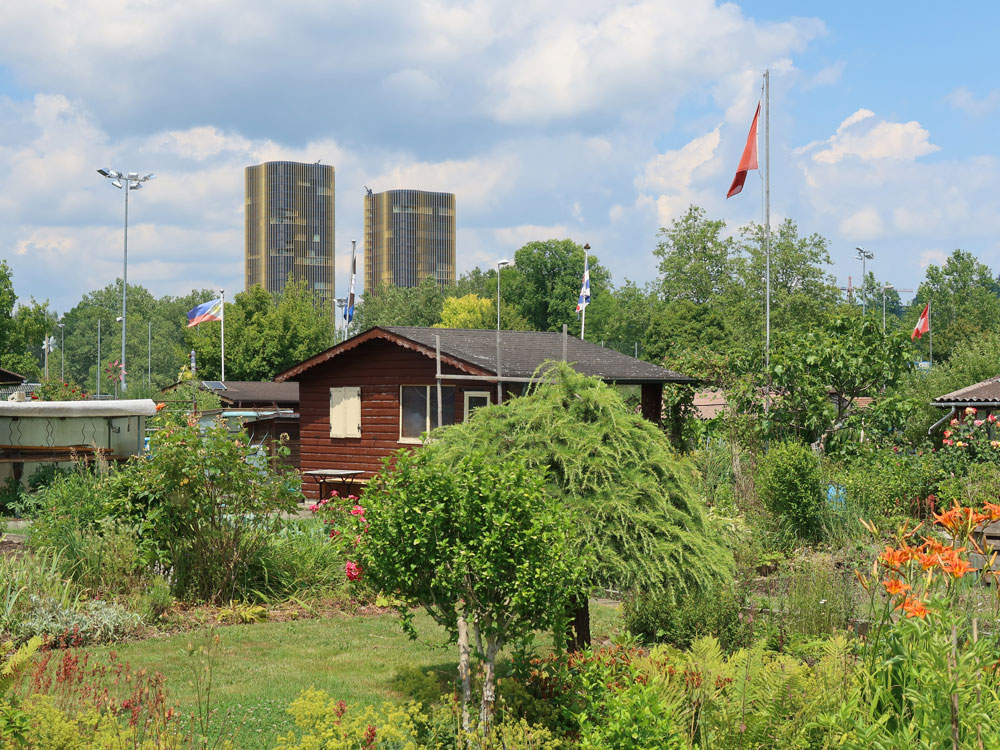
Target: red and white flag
{"x": 749, "y": 159}
{"x": 923, "y": 323}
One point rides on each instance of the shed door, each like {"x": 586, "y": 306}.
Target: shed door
{"x": 345, "y": 412}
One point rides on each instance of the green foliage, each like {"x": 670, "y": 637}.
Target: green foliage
{"x": 299, "y": 561}
{"x": 696, "y": 260}
{"x": 94, "y": 621}
{"x": 816, "y": 596}
{"x": 545, "y": 284}
{"x": 790, "y": 484}
{"x": 56, "y": 390}
{"x": 719, "y": 613}
{"x": 72, "y": 501}
{"x": 887, "y": 483}
{"x": 168, "y": 316}
{"x": 30, "y": 574}
{"x": 156, "y": 601}
{"x": 265, "y": 333}
{"x": 630, "y": 716}
{"x": 816, "y": 377}
{"x": 964, "y": 303}
{"x": 389, "y": 305}
{"x": 470, "y": 536}
{"x": 468, "y": 311}
{"x": 754, "y": 698}
{"x": 330, "y": 724}
{"x": 208, "y": 503}
{"x": 106, "y": 559}
{"x": 637, "y": 512}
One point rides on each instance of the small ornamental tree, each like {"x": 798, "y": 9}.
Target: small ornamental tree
{"x": 637, "y": 515}
{"x": 477, "y": 543}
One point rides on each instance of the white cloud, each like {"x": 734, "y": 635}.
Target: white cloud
{"x": 859, "y": 138}
{"x": 515, "y": 237}
{"x": 667, "y": 180}
{"x": 865, "y": 224}
{"x": 963, "y": 99}
{"x": 932, "y": 257}
{"x": 476, "y": 182}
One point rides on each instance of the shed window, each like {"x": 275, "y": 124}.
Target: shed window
{"x": 345, "y": 412}
{"x": 475, "y": 400}
{"x": 418, "y": 409}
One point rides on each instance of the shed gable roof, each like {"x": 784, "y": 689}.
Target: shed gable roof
{"x": 982, "y": 392}
{"x": 521, "y": 353}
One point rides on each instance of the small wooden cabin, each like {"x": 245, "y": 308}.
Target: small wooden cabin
{"x": 363, "y": 399}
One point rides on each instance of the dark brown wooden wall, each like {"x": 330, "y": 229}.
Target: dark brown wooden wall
{"x": 379, "y": 368}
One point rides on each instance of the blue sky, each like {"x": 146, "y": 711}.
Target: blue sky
{"x": 593, "y": 120}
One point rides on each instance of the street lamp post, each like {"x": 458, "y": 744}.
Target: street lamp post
{"x": 127, "y": 181}
{"x": 500, "y": 264}
{"x": 864, "y": 256}
{"x": 62, "y": 351}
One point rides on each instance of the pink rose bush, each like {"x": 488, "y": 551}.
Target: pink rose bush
{"x": 340, "y": 515}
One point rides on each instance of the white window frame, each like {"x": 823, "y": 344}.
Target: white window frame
{"x": 427, "y": 417}
{"x": 473, "y": 394}
{"x": 350, "y": 398}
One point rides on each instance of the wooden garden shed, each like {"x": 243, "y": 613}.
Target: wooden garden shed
{"x": 363, "y": 399}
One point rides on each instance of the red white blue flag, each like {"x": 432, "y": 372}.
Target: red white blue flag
{"x": 204, "y": 312}
{"x": 585, "y": 286}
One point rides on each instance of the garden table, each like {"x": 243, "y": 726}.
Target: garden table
{"x": 323, "y": 477}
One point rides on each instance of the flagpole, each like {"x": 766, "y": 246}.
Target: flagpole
{"x": 767, "y": 217}
{"x": 223, "y": 317}
{"x": 930, "y": 334}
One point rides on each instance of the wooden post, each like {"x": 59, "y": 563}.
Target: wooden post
{"x": 437, "y": 362}
{"x": 565, "y": 342}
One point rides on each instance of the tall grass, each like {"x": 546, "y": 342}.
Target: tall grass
{"x": 300, "y": 562}
{"x": 38, "y": 574}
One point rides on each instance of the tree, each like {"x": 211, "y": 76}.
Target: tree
{"x": 389, "y": 305}
{"x": 816, "y": 378}
{"x": 695, "y": 259}
{"x": 22, "y": 328}
{"x": 545, "y": 283}
{"x": 964, "y": 301}
{"x": 265, "y": 333}
{"x": 635, "y": 508}
{"x": 476, "y": 541}
{"x": 469, "y": 311}
{"x": 803, "y": 293}
{"x": 683, "y": 325}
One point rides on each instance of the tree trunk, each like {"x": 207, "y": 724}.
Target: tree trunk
{"x": 578, "y": 632}
{"x": 489, "y": 685}
{"x": 464, "y": 673}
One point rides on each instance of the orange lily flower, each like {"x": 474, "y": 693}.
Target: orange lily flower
{"x": 895, "y": 586}
{"x": 957, "y": 568}
{"x": 913, "y": 607}
{"x": 993, "y": 509}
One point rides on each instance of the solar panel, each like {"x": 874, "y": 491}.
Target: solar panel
{"x": 214, "y": 385}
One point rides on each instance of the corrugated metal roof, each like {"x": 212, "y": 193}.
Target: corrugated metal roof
{"x": 521, "y": 353}
{"x": 986, "y": 390}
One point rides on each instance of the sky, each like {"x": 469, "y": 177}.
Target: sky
{"x": 597, "y": 121}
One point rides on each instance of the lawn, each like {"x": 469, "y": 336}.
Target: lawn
{"x": 259, "y": 669}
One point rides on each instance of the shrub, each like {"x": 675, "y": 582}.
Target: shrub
{"x": 820, "y": 595}
{"x": 73, "y": 501}
{"x": 107, "y": 559}
{"x": 33, "y": 573}
{"x": 95, "y": 621}
{"x": 719, "y": 612}
{"x": 207, "y": 505}
{"x": 790, "y": 484}
{"x": 157, "y": 600}
{"x": 883, "y": 483}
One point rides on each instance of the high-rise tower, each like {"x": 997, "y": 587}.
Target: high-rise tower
{"x": 290, "y": 226}
{"x": 409, "y": 235}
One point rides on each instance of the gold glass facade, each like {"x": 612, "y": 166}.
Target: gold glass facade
{"x": 289, "y": 223}
{"x": 409, "y": 235}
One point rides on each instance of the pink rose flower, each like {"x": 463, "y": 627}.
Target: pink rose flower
{"x": 352, "y": 570}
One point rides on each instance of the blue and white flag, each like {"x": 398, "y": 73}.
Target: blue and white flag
{"x": 349, "y": 310}
{"x": 585, "y": 287}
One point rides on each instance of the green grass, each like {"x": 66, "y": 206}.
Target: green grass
{"x": 259, "y": 669}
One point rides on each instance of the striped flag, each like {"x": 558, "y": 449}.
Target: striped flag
{"x": 584, "y": 287}
{"x": 204, "y": 312}
{"x": 349, "y": 310}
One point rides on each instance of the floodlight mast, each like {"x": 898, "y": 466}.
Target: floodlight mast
{"x": 127, "y": 182}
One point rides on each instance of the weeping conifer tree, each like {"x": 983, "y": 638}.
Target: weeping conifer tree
{"x": 640, "y": 519}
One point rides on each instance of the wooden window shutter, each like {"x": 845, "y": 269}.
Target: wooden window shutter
{"x": 345, "y": 412}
